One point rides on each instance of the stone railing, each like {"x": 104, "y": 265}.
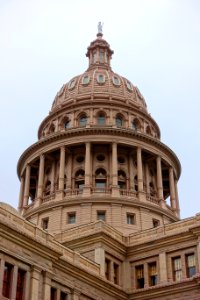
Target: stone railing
{"x": 101, "y": 191}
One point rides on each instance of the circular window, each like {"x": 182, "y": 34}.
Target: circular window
{"x": 100, "y": 157}
{"x": 121, "y": 160}
{"x": 71, "y": 84}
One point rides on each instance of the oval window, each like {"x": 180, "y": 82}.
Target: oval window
{"x": 101, "y": 78}
{"x": 129, "y": 85}
{"x": 116, "y": 80}
{"x": 71, "y": 84}
{"x": 85, "y": 79}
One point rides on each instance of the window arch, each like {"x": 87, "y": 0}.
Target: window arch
{"x": 47, "y": 188}
{"x": 136, "y": 124}
{"x": 152, "y": 189}
{"x": 52, "y": 128}
{"x": 148, "y": 130}
{"x": 80, "y": 180}
{"x": 83, "y": 120}
{"x": 66, "y": 123}
{"x": 101, "y": 118}
{"x": 100, "y": 179}
{"x": 119, "y": 121}
{"x": 121, "y": 179}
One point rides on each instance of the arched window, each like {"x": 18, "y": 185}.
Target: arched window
{"x": 101, "y": 56}
{"x": 136, "y": 183}
{"x": 101, "y": 119}
{"x": 136, "y": 124}
{"x": 121, "y": 179}
{"x": 52, "y": 128}
{"x": 152, "y": 189}
{"x": 100, "y": 179}
{"x": 148, "y": 130}
{"x": 119, "y": 121}
{"x": 80, "y": 180}
{"x": 47, "y": 188}
{"x": 83, "y": 120}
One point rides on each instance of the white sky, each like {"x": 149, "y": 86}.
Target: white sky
{"x": 157, "y": 47}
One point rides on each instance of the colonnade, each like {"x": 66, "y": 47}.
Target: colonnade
{"x": 142, "y": 175}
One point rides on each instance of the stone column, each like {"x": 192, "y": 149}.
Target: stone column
{"x": 27, "y": 185}
{"x": 35, "y": 283}
{"x": 2, "y": 264}
{"x": 47, "y": 286}
{"x": 21, "y": 193}
{"x": 58, "y": 292}
{"x": 62, "y": 169}
{"x": 140, "y": 175}
{"x": 198, "y": 256}
{"x": 75, "y": 295}
{"x": 131, "y": 170}
{"x": 126, "y": 278}
{"x": 99, "y": 258}
{"x": 87, "y": 188}
{"x": 53, "y": 177}
{"x": 146, "y": 275}
{"x": 69, "y": 172}
{"x": 172, "y": 189}
{"x": 162, "y": 267}
{"x": 147, "y": 179}
{"x": 159, "y": 178}
{"x": 14, "y": 283}
{"x": 115, "y": 189}
{"x": 41, "y": 178}
{"x": 177, "y": 198}
{"x": 26, "y": 293}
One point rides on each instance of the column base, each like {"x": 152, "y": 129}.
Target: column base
{"x": 86, "y": 191}
{"x": 115, "y": 191}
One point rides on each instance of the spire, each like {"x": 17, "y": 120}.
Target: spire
{"x": 99, "y": 52}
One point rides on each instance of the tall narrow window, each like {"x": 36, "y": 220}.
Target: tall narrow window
{"x": 190, "y": 265}
{"x": 116, "y": 273}
{"x": 177, "y": 268}
{"x": 130, "y": 218}
{"x": 139, "y": 277}
{"x": 72, "y": 218}
{"x": 152, "y": 267}
{"x": 107, "y": 268}
{"x": 101, "y": 56}
{"x": 7, "y": 279}
{"x": 83, "y": 120}
{"x": 101, "y": 120}
{"x": 20, "y": 284}
{"x": 63, "y": 296}
{"x": 53, "y": 293}
{"x": 119, "y": 121}
{"x": 45, "y": 223}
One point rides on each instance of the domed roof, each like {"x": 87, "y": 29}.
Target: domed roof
{"x": 99, "y": 81}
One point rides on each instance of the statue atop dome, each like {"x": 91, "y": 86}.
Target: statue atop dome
{"x": 100, "y": 27}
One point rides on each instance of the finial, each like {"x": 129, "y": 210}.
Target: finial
{"x": 100, "y": 28}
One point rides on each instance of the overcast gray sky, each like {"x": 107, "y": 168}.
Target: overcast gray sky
{"x": 157, "y": 47}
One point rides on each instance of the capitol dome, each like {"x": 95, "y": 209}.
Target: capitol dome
{"x": 99, "y": 157}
